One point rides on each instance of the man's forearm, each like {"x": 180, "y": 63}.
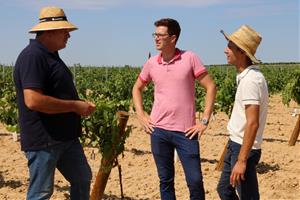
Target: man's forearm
{"x": 248, "y": 141}
{"x": 209, "y": 101}
{"x": 137, "y": 101}
{"x": 37, "y": 101}
{"x": 137, "y": 97}
{"x": 251, "y": 127}
{"x": 53, "y": 105}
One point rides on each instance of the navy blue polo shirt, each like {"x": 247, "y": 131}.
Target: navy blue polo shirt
{"x": 38, "y": 68}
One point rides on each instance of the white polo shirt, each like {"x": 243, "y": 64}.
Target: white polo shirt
{"x": 252, "y": 90}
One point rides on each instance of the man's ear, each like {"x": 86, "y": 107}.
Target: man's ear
{"x": 173, "y": 37}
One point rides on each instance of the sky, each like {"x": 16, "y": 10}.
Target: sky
{"x": 118, "y": 32}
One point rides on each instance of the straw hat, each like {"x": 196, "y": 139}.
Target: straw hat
{"x": 52, "y": 18}
{"x": 246, "y": 39}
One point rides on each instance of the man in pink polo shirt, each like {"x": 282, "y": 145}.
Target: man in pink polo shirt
{"x": 172, "y": 123}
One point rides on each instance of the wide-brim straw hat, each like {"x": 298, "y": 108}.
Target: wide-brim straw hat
{"x": 246, "y": 39}
{"x": 52, "y": 18}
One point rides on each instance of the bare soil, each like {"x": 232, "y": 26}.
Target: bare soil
{"x": 278, "y": 170}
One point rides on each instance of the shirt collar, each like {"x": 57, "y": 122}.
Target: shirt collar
{"x": 241, "y": 75}
{"x": 176, "y": 57}
{"x": 36, "y": 43}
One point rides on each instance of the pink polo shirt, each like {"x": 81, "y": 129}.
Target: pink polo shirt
{"x": 174, "y": 89}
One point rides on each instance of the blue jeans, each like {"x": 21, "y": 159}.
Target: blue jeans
{"x": 163, "y": 143}
{"x": 248, "y": 189}
{"x": 69, "y": 159}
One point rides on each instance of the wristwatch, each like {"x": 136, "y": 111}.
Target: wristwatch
{"x": 204, "y": 121}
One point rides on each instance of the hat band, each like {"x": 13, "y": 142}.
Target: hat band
{"x": 49, "y": 19}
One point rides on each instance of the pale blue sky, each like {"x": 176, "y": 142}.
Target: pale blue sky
{"x": 118, "y": 32}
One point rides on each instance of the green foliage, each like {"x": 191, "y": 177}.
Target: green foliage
{"x": 278, "y": 75}
{"x": 110, "y": 89}
{"x": 101, "y": 128}
{"x": 148, "y": 97}
{"x": 292, "y": 89}
{"x": 225, "y": 81}
{"x": 200, "y": 98}
{"x": 8, "y": 106}
{"x": 226, "y": 95}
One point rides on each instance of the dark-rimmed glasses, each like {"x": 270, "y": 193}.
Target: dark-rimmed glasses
{"x": 159, "y": 35}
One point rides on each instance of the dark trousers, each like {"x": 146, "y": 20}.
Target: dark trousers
{"x": 163, "y": 143}
{"x": 248, "y": 189}
{"x": 69, "y": 159}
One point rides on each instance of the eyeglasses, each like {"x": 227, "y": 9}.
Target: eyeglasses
{"x": 159, "y": 35}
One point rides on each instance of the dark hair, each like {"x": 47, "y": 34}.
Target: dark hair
{"x": 39, "y": 33}
{"x": 172, "y": 24}
{"x": 249, "y": 61}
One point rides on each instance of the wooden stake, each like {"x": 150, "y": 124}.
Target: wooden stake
{"x": 120, "y": 179}
{"x": 220, "y": 164}
{"x": 107, "y": 163}
{"x": 295, "y": 133}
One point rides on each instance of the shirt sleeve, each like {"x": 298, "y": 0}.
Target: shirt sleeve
{"x": 198, "y": 67}
{"x": 145, "y": 73}
{"x": 251, "y": 93}
{"x": 33, "y": 72}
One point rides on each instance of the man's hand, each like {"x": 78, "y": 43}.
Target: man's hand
{"x": 84, "y": 108}
{"x": 146, "y": 123}
{"x": 194, "y": 130}
{"x": 238, "y": 172}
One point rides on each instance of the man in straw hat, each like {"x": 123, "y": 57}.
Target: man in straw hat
{"x": 172, "y": 124}
{"x": 50, "y": 110}
{"x": 248, "y": 118}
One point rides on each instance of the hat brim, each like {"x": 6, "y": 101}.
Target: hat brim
{"x": 53, "y": 25}
{"x": 237, "y": 43}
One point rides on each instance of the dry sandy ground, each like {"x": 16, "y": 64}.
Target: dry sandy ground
{"x": 279, "y": 167}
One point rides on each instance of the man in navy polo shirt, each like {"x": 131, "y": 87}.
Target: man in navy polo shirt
{"x": 50, "y": 110}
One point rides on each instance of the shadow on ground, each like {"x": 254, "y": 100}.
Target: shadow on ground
{"x": 114, "y": 197}
{"x": 138, "y": 152}
{"x": 65, "y": 190}
{"x": 209, "y": 160}
{"x": 263, "y": 168}
{"x": 9, "y": 183}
